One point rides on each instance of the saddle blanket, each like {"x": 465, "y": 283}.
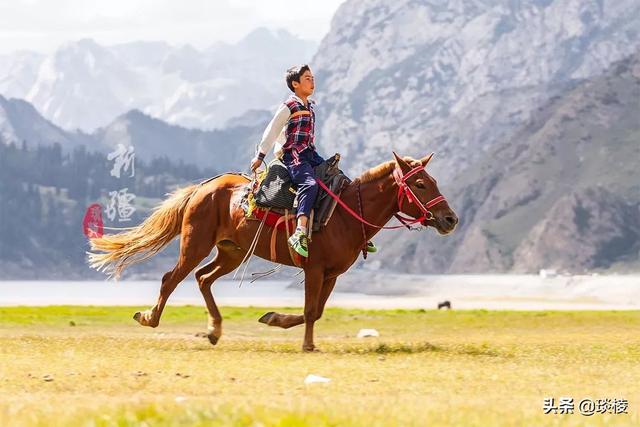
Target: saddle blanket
{"x": 272, "y": 219}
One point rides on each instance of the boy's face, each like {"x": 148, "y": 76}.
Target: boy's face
{"x": 306, "y": 85}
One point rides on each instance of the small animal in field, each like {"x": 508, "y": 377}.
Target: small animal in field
{"x": 445, "y": 304}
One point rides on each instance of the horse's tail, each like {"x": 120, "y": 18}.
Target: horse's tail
{"x": 141, "y": 242}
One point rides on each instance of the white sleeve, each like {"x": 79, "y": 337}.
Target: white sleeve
{"x": 273, "y": 130}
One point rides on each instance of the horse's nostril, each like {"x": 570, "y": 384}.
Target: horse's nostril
{"x": 451, "y": 220}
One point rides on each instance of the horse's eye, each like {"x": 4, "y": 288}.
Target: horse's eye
{"x": 420, "y": 184}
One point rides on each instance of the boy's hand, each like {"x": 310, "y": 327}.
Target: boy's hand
{"x": 255, "y": 164}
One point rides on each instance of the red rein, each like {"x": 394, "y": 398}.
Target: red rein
{"x": 403, "y": 191}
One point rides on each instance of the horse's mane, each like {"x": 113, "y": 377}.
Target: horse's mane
{"x": 376, "y": 172}
{"x": 384, "y": 169}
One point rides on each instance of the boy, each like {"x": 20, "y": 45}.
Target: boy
{"x": 295, "y": 147}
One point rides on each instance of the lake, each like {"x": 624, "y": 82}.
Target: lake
{"x": 528, "y": 292}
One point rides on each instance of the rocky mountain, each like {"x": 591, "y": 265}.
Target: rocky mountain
{"x": 562, "y": 192}
{"x": 532, "y": 108}
{"x": 85, "y": 85}
{"x": 230, "y": 148}
{"x": 20, "y": 121}
{"x": 601, "y": 231}
{"x": 18, "y": 71}
{"x": 524, "y": 104}
{"x": 456, "y": 76}
{"x": 48, "y": 178}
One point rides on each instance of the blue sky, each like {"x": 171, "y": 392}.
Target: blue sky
{"x": 43, "y": 25}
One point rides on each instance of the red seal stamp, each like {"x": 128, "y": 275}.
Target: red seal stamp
{"x": 92, "y": 225}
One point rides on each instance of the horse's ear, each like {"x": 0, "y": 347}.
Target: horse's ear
{"x": 404, "y": 166}
{"x": 426, "y": 160}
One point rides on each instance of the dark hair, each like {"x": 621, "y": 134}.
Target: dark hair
{"x": 294, "y": 73}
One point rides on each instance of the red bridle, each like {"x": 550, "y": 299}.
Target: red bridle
{"x": 404, "y": 190}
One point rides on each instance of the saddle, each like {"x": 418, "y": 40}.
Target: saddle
{"x": 276, "y": 191}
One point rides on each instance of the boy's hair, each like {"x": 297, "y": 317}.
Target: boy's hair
{"x": 294, "y": 73}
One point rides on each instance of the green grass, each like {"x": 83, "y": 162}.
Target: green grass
{"x": 427, "y": 368}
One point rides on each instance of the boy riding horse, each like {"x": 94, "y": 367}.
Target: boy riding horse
{"x": 292, "y": 130}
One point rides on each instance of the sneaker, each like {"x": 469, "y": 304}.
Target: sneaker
{"x": 299, "y": 242}
{"x": 371, "y": 248}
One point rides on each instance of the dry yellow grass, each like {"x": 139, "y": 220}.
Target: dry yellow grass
{"x": 461, "y": 368}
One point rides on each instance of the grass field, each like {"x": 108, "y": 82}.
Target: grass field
{"x": 95, "y": 366}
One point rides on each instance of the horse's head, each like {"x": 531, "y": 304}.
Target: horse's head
{"x": 419, "y": 197}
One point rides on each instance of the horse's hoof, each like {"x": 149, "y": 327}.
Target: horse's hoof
{"x": 310, "y": 349}
{"x": 266, "y": 317}
{"x": 144, "y": 321}
{"x": 213, "y": 339}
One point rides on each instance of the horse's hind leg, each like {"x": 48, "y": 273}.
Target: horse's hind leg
{"x": 194, "y": 247}
{"x": 228, "y": 258}
{"x": 287, "y": 321}
{"x": 280, "y": 320}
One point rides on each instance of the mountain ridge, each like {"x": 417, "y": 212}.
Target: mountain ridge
{"x": 574, "y": 145}
{"x": 397, "y": 74}
{"x": 84, "y": 85}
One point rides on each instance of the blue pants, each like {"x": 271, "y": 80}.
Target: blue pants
{"x": 300, "y": 167}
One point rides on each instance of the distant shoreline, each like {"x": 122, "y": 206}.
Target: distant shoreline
{"x": 384, "y": 291}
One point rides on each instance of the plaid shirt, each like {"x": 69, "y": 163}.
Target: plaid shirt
{"x": 292, "y": 126}
{"x": 300, "y": 128}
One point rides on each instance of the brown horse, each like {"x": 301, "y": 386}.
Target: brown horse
{"x": 209, "y": 214}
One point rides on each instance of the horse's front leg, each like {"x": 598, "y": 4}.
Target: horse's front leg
{"x": 327, "y": 288}
{"x": 313, "y": 281}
